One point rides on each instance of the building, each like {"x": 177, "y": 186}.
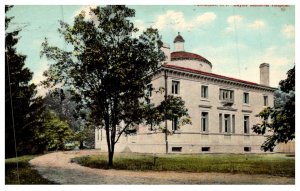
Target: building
{"x": 222, "y": 109}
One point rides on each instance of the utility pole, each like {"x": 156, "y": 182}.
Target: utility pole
{"x": 165, "y": 116}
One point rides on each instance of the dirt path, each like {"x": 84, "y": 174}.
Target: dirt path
{"x": 58, "y": 168}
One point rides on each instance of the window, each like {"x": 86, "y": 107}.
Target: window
{"x": 176, "y": 149}
{"x": 246, "y": 98}
{"x": 175, "y": 124}
{"x": 265, "y": 100}
{"x": 227, "y": 123}
{"x": 226, "y": 95}
{"x": 247, "y": 149}
{"x": 233, "y": 123}
{"x": 205, "y": 149}
{"x": 149, "y": 90}
{"x": 175, "y": 87}
{"x": 246, "y": 124}
{"x": 204, "y": 121}
{"x": 204, "y": 91}
{"x": 220, "y": 122}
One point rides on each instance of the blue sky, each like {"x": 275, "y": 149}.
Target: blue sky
{"x": 236, "y": 40}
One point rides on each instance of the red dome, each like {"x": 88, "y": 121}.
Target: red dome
{"x": 178, "y": 38}
{"x": 188, "y": 56}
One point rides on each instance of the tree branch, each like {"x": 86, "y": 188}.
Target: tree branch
{"x": 123, "y": 130}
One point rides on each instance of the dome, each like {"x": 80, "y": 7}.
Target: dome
{"x": 178, "y": 38}
{"x": 188, "y": 56}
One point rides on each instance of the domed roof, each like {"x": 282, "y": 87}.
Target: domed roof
{"x": 188, "y": 56}
{"x": 178, "y": 38}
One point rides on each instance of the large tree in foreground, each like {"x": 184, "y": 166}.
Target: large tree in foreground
{"x": 108, "y": 68}
{"x": 279, "y": 121}
{"x": 22, "y": 107}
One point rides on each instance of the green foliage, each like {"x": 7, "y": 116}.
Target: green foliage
{"x": 173, "y": 107}
{"x": 278, "y": 165}
{"x": 22, "y": 107}
{"x": 60, "y": 102}
{"x": 282, "y": 116}
{"x": 27, "y": 175}
{"x": 288, "y": 84}
{"x": 169, "y": 109}
{"x": 55, "y": 132}
{"x": 107, "y": 68}
{"x": 86, "y": 135}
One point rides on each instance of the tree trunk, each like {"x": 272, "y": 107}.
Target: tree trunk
{"x": 111, "y": 150}
{"x": 110, "y": 159}
{"x": 81, "y": 145}
{"x": 109, "y": 143}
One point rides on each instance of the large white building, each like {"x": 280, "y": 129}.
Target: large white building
{"x": 222, "y": 109}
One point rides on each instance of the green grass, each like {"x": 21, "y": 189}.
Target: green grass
{"x": 270, "y": 164}
{"x": 27, "y": 175}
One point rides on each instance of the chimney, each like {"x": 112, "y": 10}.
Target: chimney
{"x": 264, "y": 74}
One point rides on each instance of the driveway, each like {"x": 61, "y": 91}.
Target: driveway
{"x": 57, "y": 167}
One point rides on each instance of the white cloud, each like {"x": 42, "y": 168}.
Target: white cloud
{"x": 237, "y": 22}
{"x": 207, "y": 17}
{"x": 177, "y": 21}
{"x": 234, "y": 22}
{"x": 258, "y": 24}
{"x": 234, "y": 19}
{"x": 288, "y": 31}
{"x": 172, "y": 19}
{"x": 38, "y": 77}
{"x": 86, "y": 9}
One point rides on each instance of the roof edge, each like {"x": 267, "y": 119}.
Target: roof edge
{"x": 212, "y": 75}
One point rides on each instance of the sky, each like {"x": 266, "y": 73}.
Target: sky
{"x": 235, "y": 39}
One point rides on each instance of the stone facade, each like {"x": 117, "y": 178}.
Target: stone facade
{"x": 222, "y": 109}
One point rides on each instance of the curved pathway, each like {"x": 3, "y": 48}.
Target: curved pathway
{"x": 57, "y": 167}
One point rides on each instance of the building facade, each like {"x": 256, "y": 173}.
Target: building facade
{"x": 222, "y": 109}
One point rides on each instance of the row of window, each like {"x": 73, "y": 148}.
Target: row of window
{"x": 226, "y": 123}
{"x": 224, "y": 94}
{"x": 205, "y": 149}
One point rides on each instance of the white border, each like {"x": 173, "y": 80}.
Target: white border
{"x": 139, "y": 187}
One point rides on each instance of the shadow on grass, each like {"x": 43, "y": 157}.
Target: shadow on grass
{"x": 24, "y": 174}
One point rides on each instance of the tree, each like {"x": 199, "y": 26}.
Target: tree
{"x": 86, "y": 136}
{"x": 22, "y": 107}
{"x": 107, "y": 69}
{"x": 61, "y": 103}
{"x": 282, "y": 116}
{"x": 53, "y": 132}
{"x": 172, "y": 109}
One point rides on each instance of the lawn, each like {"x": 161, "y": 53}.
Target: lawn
{"x": 27, "y": 175}
{"x": 269, "y": 164}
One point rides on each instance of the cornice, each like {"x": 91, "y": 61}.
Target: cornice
{"x": 195, "y": 76}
